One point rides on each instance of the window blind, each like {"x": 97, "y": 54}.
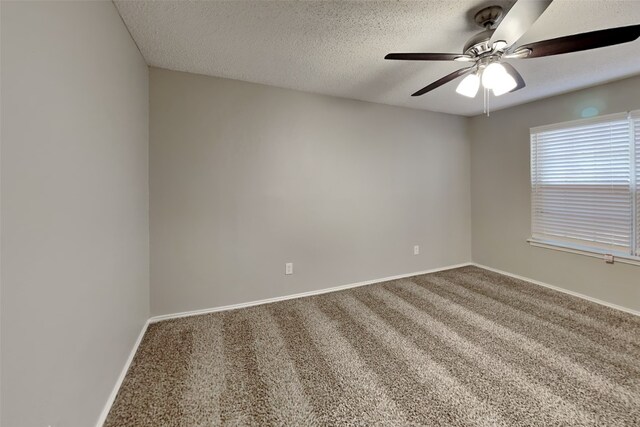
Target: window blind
{"x": 635, "y": 126}
{"x": 581, "y": 179}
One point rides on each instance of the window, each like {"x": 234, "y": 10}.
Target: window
{"x": 584, "y": 184}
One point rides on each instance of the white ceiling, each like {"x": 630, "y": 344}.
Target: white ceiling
{"x": 337, "y": 47}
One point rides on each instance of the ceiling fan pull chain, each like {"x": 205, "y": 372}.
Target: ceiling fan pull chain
{"x": 486, "y": 94}
{"x": 484, "y": 100}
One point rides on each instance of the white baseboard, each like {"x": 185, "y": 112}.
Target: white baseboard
{"x": 300, "y": 295}
{"x": 556, "y": 288}
{"x": 123, "y": 373}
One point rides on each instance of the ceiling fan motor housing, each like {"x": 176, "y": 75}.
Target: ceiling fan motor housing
{"x": 487, "y": 18}
{"x": 479, "y": 44}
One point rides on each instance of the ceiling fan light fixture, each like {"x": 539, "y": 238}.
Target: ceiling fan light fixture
{"x": 505, "y": 84}
{"x": 492, "y": 75}
{"x": 469, "y": 86}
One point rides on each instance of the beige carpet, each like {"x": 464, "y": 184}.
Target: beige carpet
{"x": 464, "y": 347}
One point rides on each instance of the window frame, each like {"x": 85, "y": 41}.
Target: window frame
{"x": 633, "y": 256}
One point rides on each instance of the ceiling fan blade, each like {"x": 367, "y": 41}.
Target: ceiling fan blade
{"x": 516, "y": 75}
{"x": 428, "y": 56}
{"x": 518, "y": 20}
{"x": 443, "y": 80}
{"x": 579, "y": 42}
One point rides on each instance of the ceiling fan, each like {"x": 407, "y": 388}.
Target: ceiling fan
{"x": 488, "y": 49}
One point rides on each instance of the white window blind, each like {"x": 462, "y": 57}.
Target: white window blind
{"x": 583, "y": 184}
{"x": 635, "y": 127}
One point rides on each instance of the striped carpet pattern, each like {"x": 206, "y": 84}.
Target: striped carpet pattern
{"x": 463, "y": 347}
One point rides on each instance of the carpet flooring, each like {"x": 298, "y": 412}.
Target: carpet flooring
{"x": 463, "y": 347}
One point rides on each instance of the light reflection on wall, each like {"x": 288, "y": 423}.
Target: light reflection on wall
{"x": 589, "y": 112}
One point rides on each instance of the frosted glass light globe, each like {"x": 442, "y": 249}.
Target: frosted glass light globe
{"x": 492, "y": 74}
{"x": 504, "y": 85}
{"x": 469, "y": 86}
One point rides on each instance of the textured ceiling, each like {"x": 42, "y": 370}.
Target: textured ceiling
{"x": 337, "y": 47}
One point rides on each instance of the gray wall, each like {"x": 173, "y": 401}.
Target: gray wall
{"x": 245, "y": 177}
{"x": 500, "y": 189}
{"x": 74, "y": 175}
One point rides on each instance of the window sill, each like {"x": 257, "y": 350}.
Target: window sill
{"x": 625, "y": 259}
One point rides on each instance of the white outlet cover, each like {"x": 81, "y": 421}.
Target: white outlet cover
{"x": 416, "y": 250}
{"x": 288, "y": 268}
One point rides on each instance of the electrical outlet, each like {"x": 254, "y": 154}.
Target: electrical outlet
{"x": 416, "y": 250}
{"x": 288, "y": 268}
